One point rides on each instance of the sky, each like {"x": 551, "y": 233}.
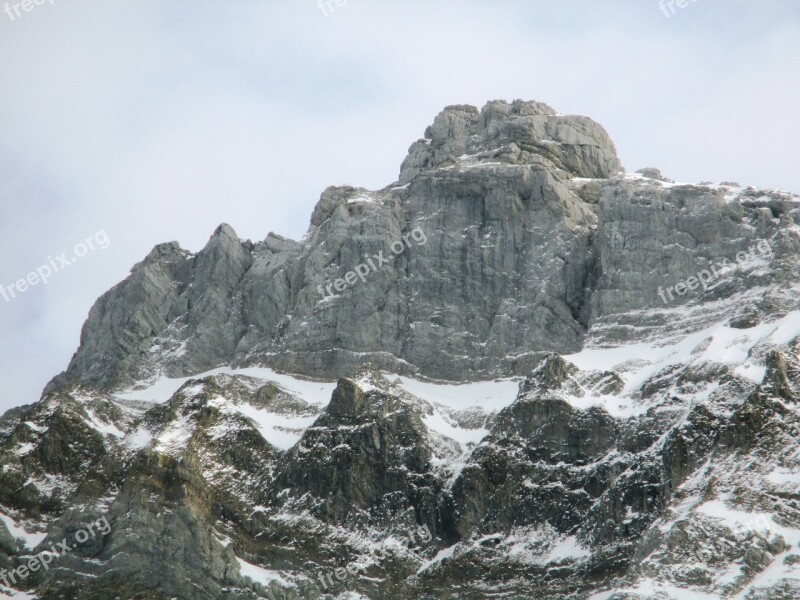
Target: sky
{"x": 133, "y": 123}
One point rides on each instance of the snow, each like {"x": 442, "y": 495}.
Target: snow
{"x": 524, "y": 545}
{"x": 729, "y": 575}
{"x": 15, "y": 594}
{"x": 439, "y": 423}
{"x": 650, "y": 589}
{"x": 138, "y": 438}
{"x": 786, "y": 329}
{"x": 180, "y": 350}
{"x": 731, "y": 517}
{"x": 788, "y": 479}
{"x": 161, "y": 390}
{"x": 770, "y": 576}
{"x": 751, "y": 372}
{"x": 738, "y": 520}
{"x": 567, "y": 548}
{"x": 725, "y": 345}
{"x": 282, "y": 431}
{"x": 485, "y": 395}
{"x": 483, "y": 398}
{"x": 617, "y": 406}
{"x": 365, "y": 198}
{"x": 647, "y": 357}
{"x": 755, "y": 521}
{"x": 24, "y": 449}
{"x": 175, "y": 436}
{"x": 636, "y": 363}
{"x": 31, "y": 540}
{"x": 47, "y": 484}
{"x": 479, "y": 165}
{"x": 260, "y": 574}
{"x": 36, "y": 428}
{"x": 442, "y": 555}
{"x": 105, "y": 428}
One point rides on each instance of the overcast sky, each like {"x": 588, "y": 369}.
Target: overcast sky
{"x": 156, "y": 121}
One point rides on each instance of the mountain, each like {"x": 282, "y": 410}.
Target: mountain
{"x": 515, "y": 372}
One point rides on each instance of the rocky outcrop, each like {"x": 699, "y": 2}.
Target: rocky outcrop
{"x": 510, "y": 232}
{"x": 369, "y": 452}
{"x": 652, "y": 447}
{"x": 573, "y": 144}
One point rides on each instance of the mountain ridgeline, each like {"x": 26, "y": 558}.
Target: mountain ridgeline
{"x": 515, "y": 372}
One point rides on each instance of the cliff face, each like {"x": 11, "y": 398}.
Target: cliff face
{"x": 628, "y": 427}
{"x": 527, "y": 235}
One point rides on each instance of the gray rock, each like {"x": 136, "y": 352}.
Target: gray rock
{"x": 516, "y": 252}
{"x": 512, "y": 237}
{"x": 653, "y": 173}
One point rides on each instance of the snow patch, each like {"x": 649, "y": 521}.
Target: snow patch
{"x": 261, "y": 575}
{"x": 31, "y": 540}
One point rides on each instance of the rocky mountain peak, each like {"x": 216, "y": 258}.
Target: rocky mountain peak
{"x": 169, "y": 251}
{"x": 347, "y": 399}
{"x": 578, "y": 383}
{"x": 515, "y": 235}
{"x": 550, "y": 374}
{"x": 573, "y": 144}
{"x": 223, "y": 229}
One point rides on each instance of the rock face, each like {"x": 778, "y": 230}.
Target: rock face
{"x": 619, "y": 417}
{"x": 502, "y": 219}
{"x": 513, "y": 233}
{"x": 576, "y": 145}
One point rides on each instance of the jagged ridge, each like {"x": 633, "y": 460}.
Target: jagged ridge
{"x": 608, "y": 470}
